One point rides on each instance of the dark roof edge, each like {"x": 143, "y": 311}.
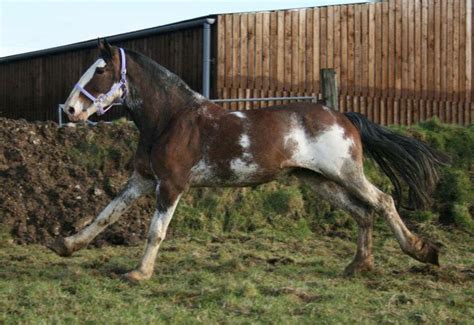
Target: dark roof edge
{"x": 186, "y": 24}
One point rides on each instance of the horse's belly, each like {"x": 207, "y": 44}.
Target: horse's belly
{"x": 238, "y": 172}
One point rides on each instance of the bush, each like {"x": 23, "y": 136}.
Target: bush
{"x": 462, "y": 217}
{"x": 454, "y": 193}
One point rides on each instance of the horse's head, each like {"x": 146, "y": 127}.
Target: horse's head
{"x": 100, "y": 87}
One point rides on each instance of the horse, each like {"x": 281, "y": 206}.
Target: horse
{"x": 187, "y": 141}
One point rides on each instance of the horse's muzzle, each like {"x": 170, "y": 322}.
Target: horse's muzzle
{"x": 81, "y": 117}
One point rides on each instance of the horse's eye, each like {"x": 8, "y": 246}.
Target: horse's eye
{"x": 99, "y": 70}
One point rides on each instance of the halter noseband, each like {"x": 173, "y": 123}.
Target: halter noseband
{"x": 99, "y": 100}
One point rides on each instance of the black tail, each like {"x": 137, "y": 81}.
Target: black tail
{"x": 402, "y": 159}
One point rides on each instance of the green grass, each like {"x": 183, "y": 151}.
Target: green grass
{"x": 264, "y": 277}
{"x": 270, "y": 254}
{"x": 454, "y": 195}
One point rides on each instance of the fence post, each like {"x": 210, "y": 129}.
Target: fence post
{"x": 329, "y": 88}
{"x": 60, "y": 115}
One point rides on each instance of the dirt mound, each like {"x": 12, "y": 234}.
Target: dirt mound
{"x": 54, "y": 181}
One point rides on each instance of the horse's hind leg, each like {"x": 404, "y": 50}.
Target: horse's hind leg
{"x": 341, "y": 198}
{"x": 136, "y": 187}
{"x": 383, "y": 204}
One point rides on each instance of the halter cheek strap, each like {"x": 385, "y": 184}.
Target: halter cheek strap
{"x": 99, "y": 100}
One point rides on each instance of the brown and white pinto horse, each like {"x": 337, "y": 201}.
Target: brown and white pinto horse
{"x": 187, "y": 141}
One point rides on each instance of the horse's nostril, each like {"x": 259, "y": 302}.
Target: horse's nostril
{"x": 71, "y": 110}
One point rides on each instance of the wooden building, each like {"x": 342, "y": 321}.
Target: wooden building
{"x": 398, "y": 61}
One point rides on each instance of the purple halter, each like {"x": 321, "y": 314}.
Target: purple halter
{"x": 98, "y": 101}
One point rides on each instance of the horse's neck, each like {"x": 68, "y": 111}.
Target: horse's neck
{"x": 156, "y": 98}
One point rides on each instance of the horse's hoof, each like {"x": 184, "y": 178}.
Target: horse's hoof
{"x": 60, "y": 247}
{"x": 430, "y": 253}
{"x": 357, "y": 267}
{"x": 136, "y": 276}
{"x": 426, "y": 252}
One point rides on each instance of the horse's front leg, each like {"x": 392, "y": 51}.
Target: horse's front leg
{"x": 136, "y": 187}
{"x": 168, "y": 196}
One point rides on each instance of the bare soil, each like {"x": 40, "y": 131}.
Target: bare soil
{"x": 49, "y": 188}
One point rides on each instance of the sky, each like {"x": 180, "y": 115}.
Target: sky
{"x": 29, "y": 25}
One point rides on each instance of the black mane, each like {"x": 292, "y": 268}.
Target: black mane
{"x": 159, "y": 75}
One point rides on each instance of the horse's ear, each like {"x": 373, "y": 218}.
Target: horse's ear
{"x": 105, "y": 49}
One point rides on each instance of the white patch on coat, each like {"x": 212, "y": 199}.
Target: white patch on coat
{"x": 201, "y": 172}
{"x": 244, "y": 167}
{"x": 241, "y": 167}
{"x": 198, "y": 97}
{"x": 73, "y": 99}
{"x": 239, "y": 114}
{"x": 204, "y": 111}
{"x": 326, "y": 153}
{"x": 244, "y": 141}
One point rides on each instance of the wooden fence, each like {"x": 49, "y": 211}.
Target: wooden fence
{"x": 398, "y": 61}
{"x": 33, "y": 88}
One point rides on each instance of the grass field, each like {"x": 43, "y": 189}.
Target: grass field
{"x": 264, "y": 277}
{"x": 268, "y": 254}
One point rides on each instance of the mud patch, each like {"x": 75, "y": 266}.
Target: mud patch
{"x": 54, "y": 181}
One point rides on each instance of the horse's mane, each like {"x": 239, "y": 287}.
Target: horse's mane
{"x": 160, "y": 76}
